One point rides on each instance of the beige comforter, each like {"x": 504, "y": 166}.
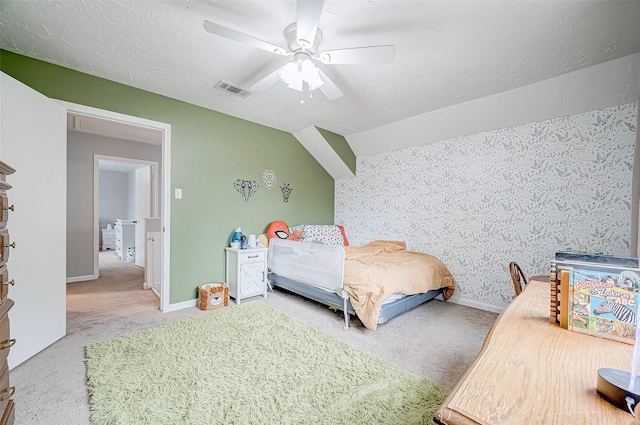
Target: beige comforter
{"x": 374, "y": 272}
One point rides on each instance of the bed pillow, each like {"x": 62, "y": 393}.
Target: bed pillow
{"x": 327, "y": 234}
{"x": 263, "y": 240}
{"x": 280, "y": 230}
{"x": 344, "y": 235}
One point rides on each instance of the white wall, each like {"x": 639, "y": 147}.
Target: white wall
{"x": 113, "y": 197}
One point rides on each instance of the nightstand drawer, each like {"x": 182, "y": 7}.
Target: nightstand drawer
{"x": 248, "y": 256}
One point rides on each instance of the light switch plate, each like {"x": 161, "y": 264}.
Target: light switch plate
{"x": 178, "y": 193}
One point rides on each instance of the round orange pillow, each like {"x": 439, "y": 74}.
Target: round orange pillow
{"x": 280, "y": 230}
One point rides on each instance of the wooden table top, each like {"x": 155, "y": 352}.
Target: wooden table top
{"x": 531, "y": 371}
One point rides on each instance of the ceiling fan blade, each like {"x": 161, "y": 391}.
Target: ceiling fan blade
{"x": 266, "y": 82}
{"x": 359, "y": 55}
{"x": 308, "y": 17}
{"x": 329, "y": 89}
{"x": 242, "y": 38}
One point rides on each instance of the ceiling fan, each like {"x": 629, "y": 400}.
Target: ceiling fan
{"x": 303, "y": 39}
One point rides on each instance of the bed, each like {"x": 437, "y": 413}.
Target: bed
{"x": 376, "y": 282}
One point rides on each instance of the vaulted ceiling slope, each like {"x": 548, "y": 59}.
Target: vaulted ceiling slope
{"x": 447, "y": 52}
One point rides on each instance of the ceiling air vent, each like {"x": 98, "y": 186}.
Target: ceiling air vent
{"x": 238, "y": 91}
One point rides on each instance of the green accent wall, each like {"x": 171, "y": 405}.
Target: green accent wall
{"x": 209, "y": 151}
{"x": 340, "y": 145}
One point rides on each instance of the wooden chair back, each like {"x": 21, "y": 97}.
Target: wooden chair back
{"x": 517, "y": 277}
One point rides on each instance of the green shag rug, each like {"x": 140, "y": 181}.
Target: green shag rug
{"x": 249, "y": 364}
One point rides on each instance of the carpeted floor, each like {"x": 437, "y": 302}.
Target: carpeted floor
{"x": 437, "y": 341}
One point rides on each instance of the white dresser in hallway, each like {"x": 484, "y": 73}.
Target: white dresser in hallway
{"x": 125, "y": 238}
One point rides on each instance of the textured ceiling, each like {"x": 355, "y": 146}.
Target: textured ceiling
{"x": 447, "y": 52}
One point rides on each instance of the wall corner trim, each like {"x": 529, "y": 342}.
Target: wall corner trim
{"x": 322, "y": 151}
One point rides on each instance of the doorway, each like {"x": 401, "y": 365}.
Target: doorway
{"x": 110, "y": 124}
{"x": 126, "y": 189}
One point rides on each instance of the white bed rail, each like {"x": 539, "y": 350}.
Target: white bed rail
{"x": 314, "y": 264}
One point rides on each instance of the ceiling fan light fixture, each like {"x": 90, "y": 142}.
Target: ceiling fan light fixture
{"x": 290, "y": 75}
{"x": 310, "y": 74}
{"x": 293, "y": 75}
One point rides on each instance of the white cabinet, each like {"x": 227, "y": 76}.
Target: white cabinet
{"x": 125, "y": 240}
{"x": 246, "y": 272}
{"x": 108, "y": 239}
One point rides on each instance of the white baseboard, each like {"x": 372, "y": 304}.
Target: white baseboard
{"x": 179, "y": 306}
{"x": 81, "y": 278}
{"x": 475, "y": 304}
{"x": 156, "y": 292}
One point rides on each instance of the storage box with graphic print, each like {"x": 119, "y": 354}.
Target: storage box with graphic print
{"x": 603, "y": 302}
{"x": 565, "y": 261}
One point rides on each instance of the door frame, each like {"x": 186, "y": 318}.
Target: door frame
{"x": 165, "y": 208}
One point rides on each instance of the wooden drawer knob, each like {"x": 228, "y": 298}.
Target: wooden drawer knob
{"x": 12, "y": 282}
{"x": 9, "y": 208}
{"x": 10, "y": 245}
{"x": 7, "y": 393}
{"x": 7, "y": 344}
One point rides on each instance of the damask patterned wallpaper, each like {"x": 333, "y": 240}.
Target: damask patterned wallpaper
{"x": 516, "y": 194}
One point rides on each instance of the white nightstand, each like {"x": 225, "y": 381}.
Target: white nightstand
{"x": 246, "y": 272}
{"x": 108, "y": 239}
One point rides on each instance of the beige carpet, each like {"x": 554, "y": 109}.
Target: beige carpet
{"x": 437, "y": 341}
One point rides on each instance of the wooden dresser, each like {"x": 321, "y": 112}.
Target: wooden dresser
{"x": 6, "y": 390}
{"x": 533, "y": 372}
